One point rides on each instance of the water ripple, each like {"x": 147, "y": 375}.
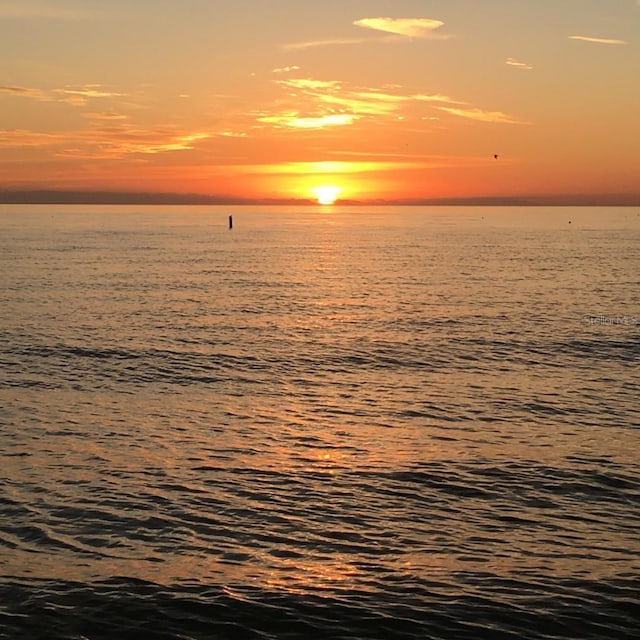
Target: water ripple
{"x": 347, "y": 426}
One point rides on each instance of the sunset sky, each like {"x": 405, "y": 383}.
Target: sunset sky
{"x": 379, "y": 99}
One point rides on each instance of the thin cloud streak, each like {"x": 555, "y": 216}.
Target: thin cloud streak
{"x": 76, "y": 96}
{"x": 482, "y": 116}
{"x": 88, "y": 91}
{"x": 598, "y": 40}
{"x": 107, "y": 115}
{"x": 25, "y": 92}
{"x": 310, "y": 84}
{"x": 437, "y": 97}
{"x": 512, "y": 62}
{"x": 81, "y": 95}
{"x": 294, "y": 46}
{"x": 387, "y": 39}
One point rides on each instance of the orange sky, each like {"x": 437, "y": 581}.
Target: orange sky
{"x": 391, "y": 100}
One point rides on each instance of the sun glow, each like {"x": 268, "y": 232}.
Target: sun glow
{"x": 327, "y": 194}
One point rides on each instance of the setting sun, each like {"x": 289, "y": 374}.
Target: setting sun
{"x": 327, "y": 194}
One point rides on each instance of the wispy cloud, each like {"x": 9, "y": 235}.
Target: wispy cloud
{"x": 25, "y": 92}
{"x": 436, "y": 97}
{"x": 370, "y": 103}
{"x": 410, "y": 27}
{"x": 512, "y": 62}
{"x": 77, "y": 96}
{"x": 125, "y": 140}
{"x": 482, "y": 116}
{"x": 293, "y": 46}
{"x": 105, "y": 115}
{"x": 331, "y": 98}
{"x": 232, "y": 134}
{"x": 361, "y": 102}
{"x": 88, "y": 91}
{"x": 315, "y": 104}
{"x": 598, "y": 40}
{"x": 288, "y": 69}
{"x": 310, "y": 84}
{"x": 80, "y": 95}
{"x": 105, "y": 141}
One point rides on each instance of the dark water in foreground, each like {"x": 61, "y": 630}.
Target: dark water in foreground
{"x": 359, "y": 424}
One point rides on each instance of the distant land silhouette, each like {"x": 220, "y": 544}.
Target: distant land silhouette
{"x": 43, "y": 196}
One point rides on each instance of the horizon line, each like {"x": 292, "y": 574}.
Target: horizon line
{"x": 107, "y": 197}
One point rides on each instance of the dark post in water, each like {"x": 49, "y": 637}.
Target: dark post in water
{"x": 230, "y": 222}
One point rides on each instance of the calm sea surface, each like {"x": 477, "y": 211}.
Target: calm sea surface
{"x": 343, "y": 423}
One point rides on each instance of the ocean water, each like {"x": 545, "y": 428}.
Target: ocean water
{"x": 325, "y": 423}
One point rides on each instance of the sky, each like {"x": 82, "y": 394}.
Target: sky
{"x": 392, "y": 100}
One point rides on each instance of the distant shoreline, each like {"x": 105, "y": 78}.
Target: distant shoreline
{"x": 140, "y": 198}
